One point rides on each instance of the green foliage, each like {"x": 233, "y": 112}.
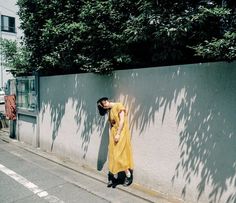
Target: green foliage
{"x": 15, "y": 57}
{"x": 100, "y": 36}
{"x": 218, "y": 49}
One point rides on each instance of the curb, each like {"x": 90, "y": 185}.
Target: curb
{"x": 135, "y": 189}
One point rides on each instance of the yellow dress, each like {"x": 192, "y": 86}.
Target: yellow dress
{"x": 119, "y": 154}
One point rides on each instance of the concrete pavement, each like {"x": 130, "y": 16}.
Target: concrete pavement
{"x": 134, "y": 193}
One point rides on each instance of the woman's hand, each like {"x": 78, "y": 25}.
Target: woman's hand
{"x": 117, "y": 138}
{"x": 121, "y": 125}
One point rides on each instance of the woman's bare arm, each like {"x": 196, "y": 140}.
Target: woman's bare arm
{"x": 121, "y": 125}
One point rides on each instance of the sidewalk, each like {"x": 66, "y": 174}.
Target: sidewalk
{"x": 147, "y": 195}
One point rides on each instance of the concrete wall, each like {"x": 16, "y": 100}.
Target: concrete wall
{"x": 27, "y": 129}
{"x": 182, "y": 120}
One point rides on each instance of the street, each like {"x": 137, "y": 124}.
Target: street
{"x": 27, "y": 177}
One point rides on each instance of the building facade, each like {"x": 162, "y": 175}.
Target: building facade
{"x": 9, "y": 23}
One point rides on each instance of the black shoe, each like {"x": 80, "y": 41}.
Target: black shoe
{"x": 115, "y": 184}
{"x": 110, "y": 183}
{"x": 128, "y": 181}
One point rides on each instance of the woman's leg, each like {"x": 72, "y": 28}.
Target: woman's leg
{"x": 110, "y": 179}
{"x": 128, "y": 179}
{"x": 127, "y": 173}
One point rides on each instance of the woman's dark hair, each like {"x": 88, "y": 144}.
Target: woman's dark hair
{"x": 101, "y": 110}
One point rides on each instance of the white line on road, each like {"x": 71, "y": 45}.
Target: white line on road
{"x": 29, "y": 185}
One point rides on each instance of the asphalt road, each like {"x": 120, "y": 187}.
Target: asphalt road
{"x": 26, "y": 177}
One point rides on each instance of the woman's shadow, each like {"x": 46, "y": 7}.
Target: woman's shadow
{"x": 103, "y": 149}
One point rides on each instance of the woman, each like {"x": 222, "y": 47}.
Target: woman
{"x": 119, "y": 150}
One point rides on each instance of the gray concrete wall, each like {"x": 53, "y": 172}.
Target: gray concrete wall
{"x": 182, "y": 120}
{"x": 26, "y": 129}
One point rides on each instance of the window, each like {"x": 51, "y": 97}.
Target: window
{"x": 8, "y": 24}
{"x": 26, "y": 93}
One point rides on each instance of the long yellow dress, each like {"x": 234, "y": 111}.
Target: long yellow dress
{"x": 119, "y": 154}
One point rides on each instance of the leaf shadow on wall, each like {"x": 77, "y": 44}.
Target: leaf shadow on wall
{"x": 82, "y": 92}
{"x": 56, "y": 104}
{"x": 207, "y": 142}
{"x": 90, "y": 90}
{"x": 207, "y": 113}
